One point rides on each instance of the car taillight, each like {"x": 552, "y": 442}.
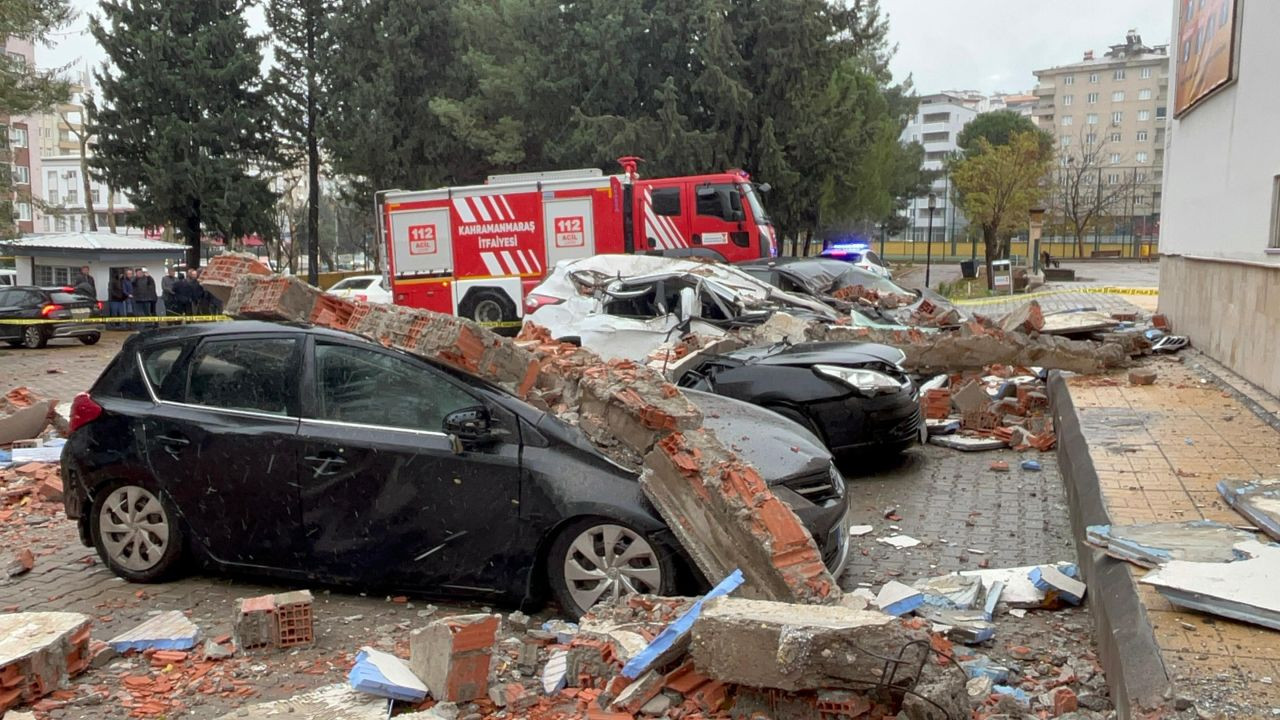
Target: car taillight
{"x": 533, "y": 301}
{"x": 362, "y": 298}
{"x": 84, "y": 411}
{"x": 49, "y": 309}
{"x": 99, "y": 304}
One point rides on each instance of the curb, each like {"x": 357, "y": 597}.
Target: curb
{"x": 1126, "y": 641}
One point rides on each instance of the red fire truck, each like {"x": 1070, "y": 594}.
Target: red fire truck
{"x": 477, "y": 250}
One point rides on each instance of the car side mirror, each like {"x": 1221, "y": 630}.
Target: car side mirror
{"x": 470, "y": 427}
{"x": 688, "y": 303}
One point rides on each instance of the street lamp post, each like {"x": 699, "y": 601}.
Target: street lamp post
{"x": 928, "y": 262}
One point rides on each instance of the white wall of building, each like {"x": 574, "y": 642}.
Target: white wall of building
{"x": 64, "y": 190}
{"x": 1222, "y": 157}
{"x": 927, "y": 128}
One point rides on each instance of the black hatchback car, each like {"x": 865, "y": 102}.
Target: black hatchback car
{"x": 312, "y": 454}
{"x": 36, "y": 303}
{"x": 854, "y": 396}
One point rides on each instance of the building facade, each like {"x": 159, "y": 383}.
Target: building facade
{"x": 937, "y": 125}
{"x": 64, "y": 209}
{"x": 1220, "y": 239}
{"x": 1110, "y": 111}
{"x": 19, "y": 148}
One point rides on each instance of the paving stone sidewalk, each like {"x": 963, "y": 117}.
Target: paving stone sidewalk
{"x": 1159, "y": 451}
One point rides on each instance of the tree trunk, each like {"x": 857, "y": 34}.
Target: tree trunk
{"x": 313, "y": 166}
{"x": 84, "y": 173}
{"x": 991, "y": 246}
{"x": 111, "y": 208}
{"x": 191, "y": 233}
{"x": 808, "y": 238}
{"x": 1079, "y": 242}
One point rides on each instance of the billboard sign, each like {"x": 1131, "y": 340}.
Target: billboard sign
{"x": 1207, "y": 37}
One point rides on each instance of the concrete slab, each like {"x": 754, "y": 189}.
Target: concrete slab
{"x": 166, "y": 631}
{"x": 1257, "y": 500}
{"x": 331, "y": 702}
{"x": 25, "y": 423}
{"x": 1018, "y": 590}
{"x": 1151, "y": 544}
{"x": 797, "y": 647}
{"x": 1244, "y": 590}
{"x": 39, "y": 652}
{"x": 385, "y": 675}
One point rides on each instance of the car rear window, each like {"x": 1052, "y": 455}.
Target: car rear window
{"x": 65, "y": 298}
{"x": 122, "y": 378}
{"x": 158, "y": 362}
{"x": 355, "y": 284}
{"x": 256, "y": 374}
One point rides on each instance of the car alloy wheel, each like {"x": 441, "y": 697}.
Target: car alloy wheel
{"x": 610, "y": 561}
{"x": 134, "y": 528}
{"x": 33, "y": 337}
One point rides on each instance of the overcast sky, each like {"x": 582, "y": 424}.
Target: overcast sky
{"x": 994, "y": 45}
{"x": 986, "y": 45}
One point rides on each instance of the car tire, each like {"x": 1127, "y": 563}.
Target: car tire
{"x": 91, "y": 339}
{"x": 488, "y": 307}
{"x": 34, "y": 337}
{"x": 122, "y": 510}
{"x": 596, "y": 559}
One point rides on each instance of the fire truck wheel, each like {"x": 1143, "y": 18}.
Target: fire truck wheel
{"x": 487, "y": 306}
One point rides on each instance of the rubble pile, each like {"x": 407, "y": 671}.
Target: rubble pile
{"x": 1008, "y": 406}
{"x": 718, "y": 506}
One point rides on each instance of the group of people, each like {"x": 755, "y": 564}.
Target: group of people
{"x": 133, "y": 293}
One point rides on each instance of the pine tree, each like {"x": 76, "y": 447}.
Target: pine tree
{"x": 184, "y": 125}
{"x": 300, "y": 28}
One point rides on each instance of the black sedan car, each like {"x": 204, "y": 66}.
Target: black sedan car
{"x": 312, "y": 454}
{"x": 854, "y": 396}
{"x": 26, "y": 302}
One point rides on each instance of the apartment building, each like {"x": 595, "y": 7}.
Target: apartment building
{"x": 65, "y": 209}
{"x": 1114, "y": 107}
{"x": 937, "y": 125}
{"x": 19, "y": 149}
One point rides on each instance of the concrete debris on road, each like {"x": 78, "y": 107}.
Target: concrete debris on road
{"x": 385, "y": 675}
{"x": 39, "y": 653}
{"x": 452, "y": 655}
{"x": 1018, "y": 590}
{"x": 279, "y": 621}
{"x": 897, "y": 599}
{"x": 331, "y": 702}
{"x": 902, "y": 542}
{"x": 1055, "y": 583}
{"x": 1153, "y": 544}
{"x": 1256, "y": 500}
{"x": 1244, "y": 590}
{"x": 165, "y": 631}
{"x": 23, "y": 415}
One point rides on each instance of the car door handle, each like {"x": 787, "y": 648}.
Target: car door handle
{"x": 326, "y": 464}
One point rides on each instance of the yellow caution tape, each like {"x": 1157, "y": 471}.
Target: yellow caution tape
{"x": 1092, "y": 290}
{"x": 119, "y": 320}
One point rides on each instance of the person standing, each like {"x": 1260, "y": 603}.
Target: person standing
{"x": 144, "y": 293}
{"x": 196, "y": 291}
{"x": 86, "y": 285}
{"x": 128, "y": 287}
{"x": 116, "y": 298}
{"x": 166, "y": 291}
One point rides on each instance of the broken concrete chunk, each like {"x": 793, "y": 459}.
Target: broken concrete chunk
{"x": 23, "y": 414}
{"x": 1257, "y": 500}
{"x": 795, "y": 647}
{"x": 1142, "y": 376}
{"x": 898, "y": 599}
{"x": 902, "y": 542}
{"x": 385, "y": 675}
{"x": 950, "y": 591}
{"x": 452, "y": 656}
{"x": 966, "y": 443}
{"x": 1152, "y": 544}
{"x": 555, "y": 671}
{"x": 39, "y": 653}
{"x": 677, "y": 632}
{"x": 1026, "y": 318}
{"x": 1244, "y": 590}
{"x": 962, "y": 626}
{"x": 167, "y": 631}
{"x": 331, "y": 702}
{"x": 20, "y": 564}
{"x": 1053, "y": 581}
{"x": 1018, "y": 590}
{"x": 971, "y": 398}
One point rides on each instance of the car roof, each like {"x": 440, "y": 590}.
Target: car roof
{"x": 361, "y": 277}
{"x": 238, "y": 327}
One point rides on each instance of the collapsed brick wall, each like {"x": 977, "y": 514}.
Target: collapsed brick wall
{"x": 719, "y": 507}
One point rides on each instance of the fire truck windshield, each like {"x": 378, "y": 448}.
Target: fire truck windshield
{"x": 757, "y": 207}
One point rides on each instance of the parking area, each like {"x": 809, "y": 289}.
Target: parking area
{"x": 965, "y": 515}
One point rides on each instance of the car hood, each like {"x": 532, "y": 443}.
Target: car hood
{"x": 819, "y": 353}
{"x": 777, "y": 447}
